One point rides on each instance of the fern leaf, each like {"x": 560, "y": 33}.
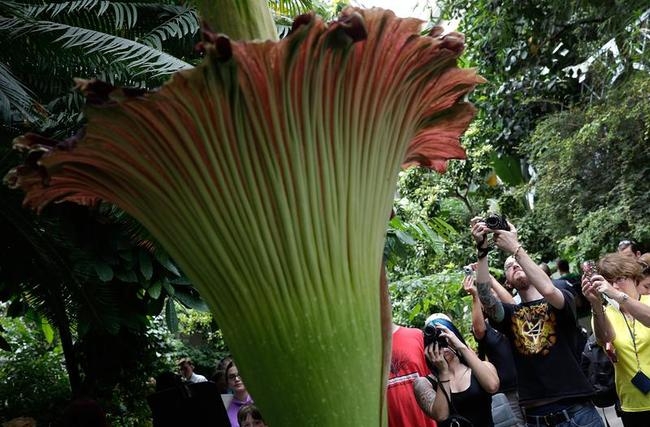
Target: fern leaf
{"x": 136, "y": 55}
{"x": 185, "y": 22}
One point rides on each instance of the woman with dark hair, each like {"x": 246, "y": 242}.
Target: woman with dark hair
{"x": 625, "y": 322}
{"x": 240, "y": 395}
{"x": 466, "y": 382}
{"x": 219, "y": 377}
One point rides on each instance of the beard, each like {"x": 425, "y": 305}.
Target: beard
{"x": 518, "y": 280}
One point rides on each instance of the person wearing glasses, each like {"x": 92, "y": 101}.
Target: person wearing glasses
{"x": 240, "y": 394}
{"x": 542, "y": 331}
{"x": 629, "y": 248}
{"x": 625, "y": 322}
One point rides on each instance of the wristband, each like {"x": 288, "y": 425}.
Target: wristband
{"x": 482, "y": 252}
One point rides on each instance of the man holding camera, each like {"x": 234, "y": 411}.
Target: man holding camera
{"x": 541, "y": 329}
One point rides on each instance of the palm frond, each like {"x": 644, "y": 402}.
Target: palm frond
{"x": 291, "y": 8}
{"x": 134, "y": 55}
{"x": 183, "y": 22}
{"x": 14, "y": 95}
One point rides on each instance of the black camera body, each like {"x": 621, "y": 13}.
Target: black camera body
{"x": 432, "y": 334}
{"x": 496, "y": 222}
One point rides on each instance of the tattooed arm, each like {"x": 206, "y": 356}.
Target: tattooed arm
{"x": 431, "y": 401}
{"x": 492, "y": 307}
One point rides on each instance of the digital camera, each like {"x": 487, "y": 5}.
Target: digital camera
{"x": 496, "y": 222}
{"x": 588, "y": 269}
{"x": 432, "y": 334}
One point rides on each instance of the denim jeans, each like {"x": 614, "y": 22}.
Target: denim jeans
{"x": 587, "y": 416}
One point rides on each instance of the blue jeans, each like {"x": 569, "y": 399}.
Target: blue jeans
{"x": 587, "y": 416}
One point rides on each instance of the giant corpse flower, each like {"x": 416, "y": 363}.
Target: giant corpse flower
{"x": 268, "y": 173}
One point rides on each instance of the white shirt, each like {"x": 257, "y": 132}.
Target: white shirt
{"x": 195, "y": 378}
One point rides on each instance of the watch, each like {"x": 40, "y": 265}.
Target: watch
{"x": 624, "y": 298}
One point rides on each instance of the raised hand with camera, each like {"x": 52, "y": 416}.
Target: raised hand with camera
{"x": 542, "y": 380}
{"x": 522, "y": 272}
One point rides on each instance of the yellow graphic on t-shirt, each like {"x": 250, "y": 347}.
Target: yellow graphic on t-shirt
{"x": 534, "y": 329}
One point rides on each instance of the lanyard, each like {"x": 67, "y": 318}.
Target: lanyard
{"x": 633, "y": 336}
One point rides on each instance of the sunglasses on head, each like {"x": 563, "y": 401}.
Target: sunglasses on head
{"x": 623, "y": 244}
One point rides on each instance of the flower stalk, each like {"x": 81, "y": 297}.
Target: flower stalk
{"x": 268, "y": 172}
{"x": 241, "y": 20}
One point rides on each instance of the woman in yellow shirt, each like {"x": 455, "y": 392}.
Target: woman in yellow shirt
{"x": 625, "y": 322}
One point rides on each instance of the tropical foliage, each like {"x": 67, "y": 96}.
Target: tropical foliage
{"x": 90, "y": 277}
{"x": 539, "y": 59}
{"x": 33, "y": 380}
{"x": 44, "y": 45}
{"x": 592, "y": 168}
{"x": 565, "y": 100}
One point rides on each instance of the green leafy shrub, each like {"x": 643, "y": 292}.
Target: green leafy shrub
{"x": 415, "y": 298}
{"x": 33, "y": 379}
{"x": 593, "y": 165}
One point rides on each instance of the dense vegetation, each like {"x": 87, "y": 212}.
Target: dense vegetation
{"x": 91, "y": 306}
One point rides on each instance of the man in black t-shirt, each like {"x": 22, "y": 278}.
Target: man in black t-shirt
{"x": 495, "y": 346}
{"x": 542, "y": 333}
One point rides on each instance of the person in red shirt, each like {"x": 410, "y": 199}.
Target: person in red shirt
{"x": 406, "y": 365}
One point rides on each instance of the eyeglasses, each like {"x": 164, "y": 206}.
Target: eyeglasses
{"x": 233, "y": 377}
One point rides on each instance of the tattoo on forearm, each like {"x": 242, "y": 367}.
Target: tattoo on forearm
{"x": 425, "y": 395}
{"x": 491, "y": 304}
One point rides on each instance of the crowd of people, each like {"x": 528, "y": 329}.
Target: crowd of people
{"x": 528, "y": 368}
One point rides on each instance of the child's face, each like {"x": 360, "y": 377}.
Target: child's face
{"x": 250, "y": 422}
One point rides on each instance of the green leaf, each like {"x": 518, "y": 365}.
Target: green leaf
{"x": 104, "y": 271}
{"x": 404, "y": 237}
{"x": 171, "y": 317}
{"x": 192, "y": 301}
{"x": 146, "y": 267}
{"x": 154, "y": 290}
{"x": 140, "y": 58}
{"x": 508, "y": 168}
{"x": 48, "y": 331}
{"x": 168, "y": 287}
{"x": 164, "y": 260}
{"x": 127, "y": 276}
{"x": 181, "y": 281}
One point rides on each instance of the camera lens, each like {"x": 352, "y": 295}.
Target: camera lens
{"x": 429, "y": 330}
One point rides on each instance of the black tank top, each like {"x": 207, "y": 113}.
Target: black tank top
{"x": 474, "y": 404}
